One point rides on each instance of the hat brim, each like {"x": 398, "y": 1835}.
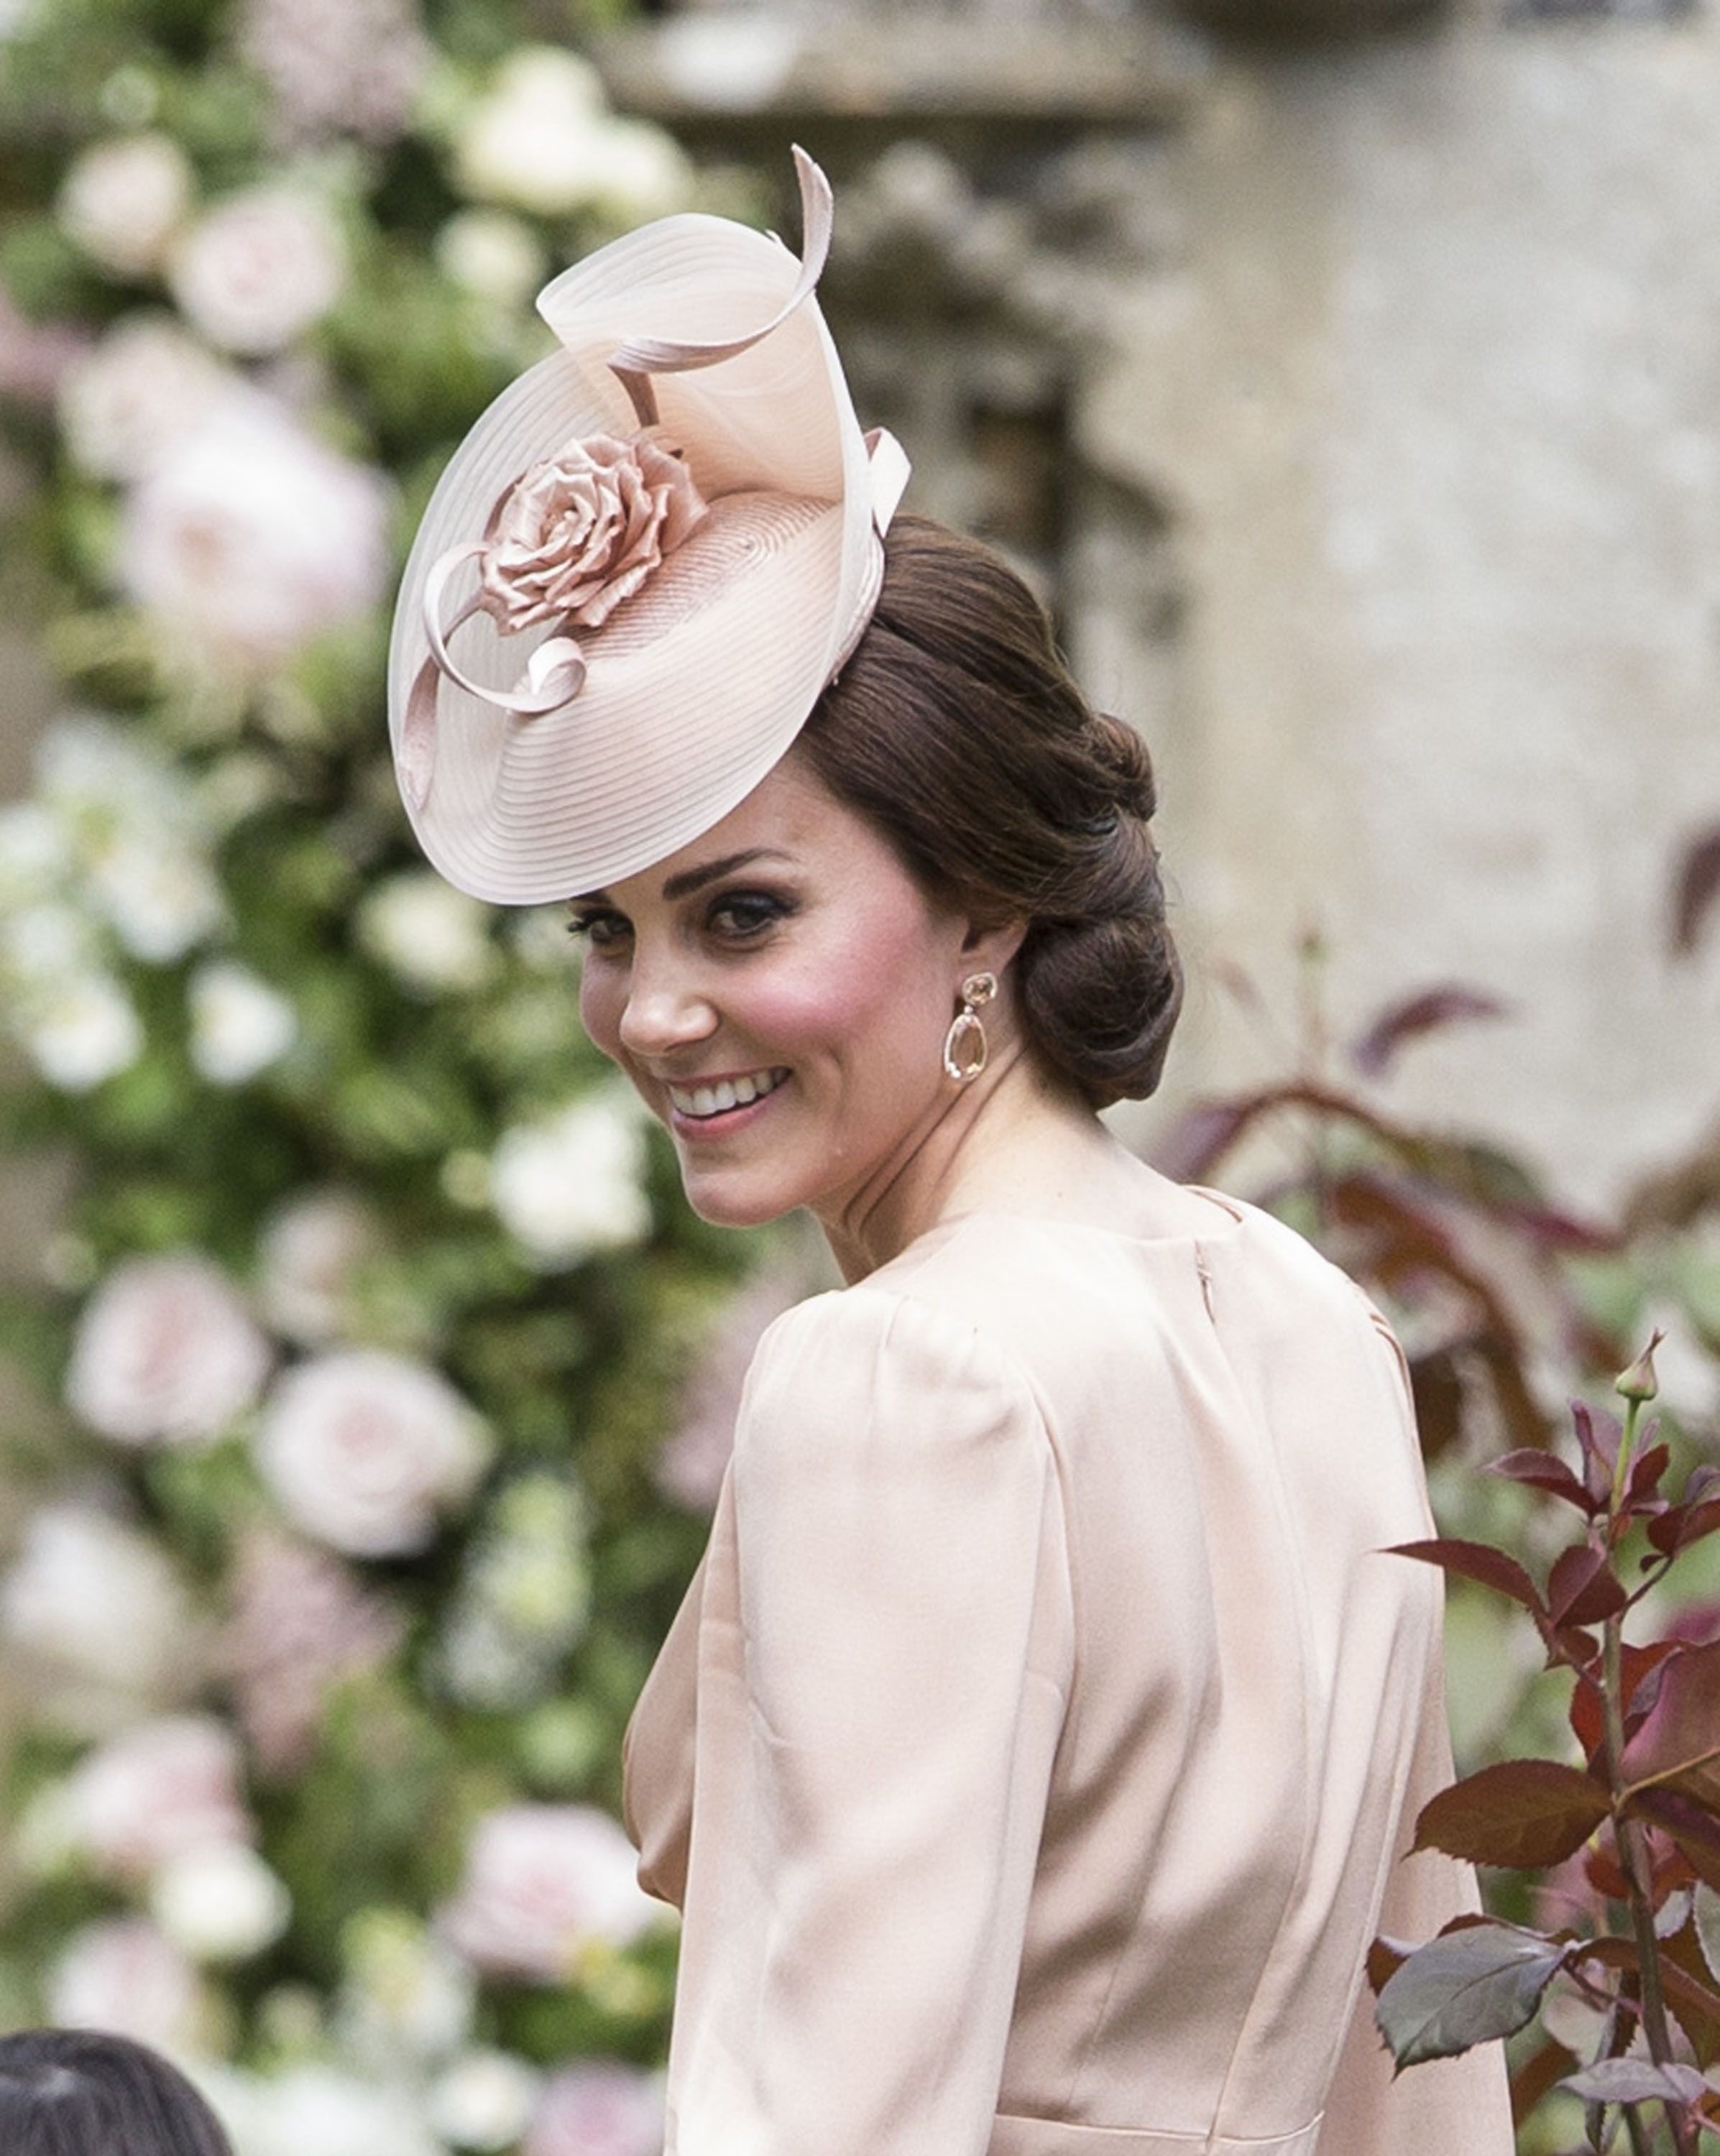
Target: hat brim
{"x": 696, "y": 686}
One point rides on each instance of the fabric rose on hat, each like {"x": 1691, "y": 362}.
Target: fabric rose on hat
{"x": 579, "y": 532}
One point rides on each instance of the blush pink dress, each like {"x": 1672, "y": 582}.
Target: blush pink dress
{"x": 1032, "y": 1755}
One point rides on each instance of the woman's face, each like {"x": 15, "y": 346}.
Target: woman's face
{"x": 778, "y": 993}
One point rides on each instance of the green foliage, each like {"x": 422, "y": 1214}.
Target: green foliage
{"x": 326, "y": 1123}
{"x": 1503, "y": 1300}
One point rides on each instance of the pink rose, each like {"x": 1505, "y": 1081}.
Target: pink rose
{"x": 259, "y": 268}
{"x": 691, "y": 1464}
{"x": 248, "y": 536}
{"x": 580, "y": 531}
{"x": 300, "y": 1623}
{"x": 363, "y": 1450}
{"x": 596, "y": 2108}
{"x": 124, "y": 1975}
{"x": 165, "y": 1353}
{"x": 542, "y": 1883}
{"x": 157, "y": 1791}
{"x": 94, "y": 1616}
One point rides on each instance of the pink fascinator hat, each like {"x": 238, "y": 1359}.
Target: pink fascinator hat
{"x": 641, "y": 566}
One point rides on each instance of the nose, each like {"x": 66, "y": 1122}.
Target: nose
{"x": 665, "y": 1009}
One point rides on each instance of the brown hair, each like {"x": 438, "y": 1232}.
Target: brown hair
{"x": 84, "y": 2092}
{"x": 956, "y": 729}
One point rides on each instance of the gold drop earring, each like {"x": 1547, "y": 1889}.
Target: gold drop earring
{"x": 965, "y": 1047}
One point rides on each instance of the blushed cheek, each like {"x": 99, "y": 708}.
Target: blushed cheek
{"x": 600, "y": 1012}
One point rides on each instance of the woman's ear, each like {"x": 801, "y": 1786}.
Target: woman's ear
{"x": 987, "y": 948}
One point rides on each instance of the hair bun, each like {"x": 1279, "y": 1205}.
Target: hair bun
{"x": 956, "y": 728}
{"x": 1119, "y": 750}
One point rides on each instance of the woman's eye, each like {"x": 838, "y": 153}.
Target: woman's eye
{"x": 598, "y": 927}
{"x": 744, "y": 913}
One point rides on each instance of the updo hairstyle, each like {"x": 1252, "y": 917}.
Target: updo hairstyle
{"x": 957, "y": 730}
{"x": 84, "y": 2092}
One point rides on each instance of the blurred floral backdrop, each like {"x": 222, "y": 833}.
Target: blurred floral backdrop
{"x": 380, "y": 1434}
{"x": 384, "y": 1383}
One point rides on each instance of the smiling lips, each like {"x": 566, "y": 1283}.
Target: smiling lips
{"x": 703, "y": 1101}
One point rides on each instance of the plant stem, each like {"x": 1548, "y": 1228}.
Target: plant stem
{"x": 1633, "y": 1855}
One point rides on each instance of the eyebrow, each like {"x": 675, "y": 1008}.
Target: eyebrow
{"x": 690, "y": 880}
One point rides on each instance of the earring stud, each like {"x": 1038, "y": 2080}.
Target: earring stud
{"x": 965, "y": 1046}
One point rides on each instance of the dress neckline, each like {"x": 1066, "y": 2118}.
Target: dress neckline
{"x": 1231, "y": 1217}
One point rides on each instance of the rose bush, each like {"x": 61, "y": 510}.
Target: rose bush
{"x": 328, "y": 1530}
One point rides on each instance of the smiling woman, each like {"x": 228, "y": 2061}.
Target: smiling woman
{"x": 1032, "y": 1753}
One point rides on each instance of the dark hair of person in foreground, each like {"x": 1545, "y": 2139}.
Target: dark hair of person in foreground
{"x": 84, "y": 2092}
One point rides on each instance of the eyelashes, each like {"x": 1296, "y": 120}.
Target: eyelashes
{"x": 732, "y": 916}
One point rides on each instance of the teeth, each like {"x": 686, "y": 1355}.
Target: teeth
{"x": 729, "y": 1093}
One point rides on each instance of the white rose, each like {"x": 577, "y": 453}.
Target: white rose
{"x": 109, "y": 782}
{"x": 83, "y": 1032}
{"x": 317, "y": 2111}
{"x": 156, "y": 894}
{"x": 431, "y": 936}
{"x": 41, "y": 945}
{"x": 155, "y": 1792}
{"x": 535, "y": 140}
{"x": 166, "y": 1353}
{"x": 543, "y": 1884}
{"x": 485, "y": 2100}
{"x": 407, "y": 1996}
{"x": 645, "y": 173}
{"x": 310, "y": 1250}
{"x": 259, "y": 268}
{"x": 597, "y": 2107}
{"x": 573, "y": 1184}
{"x": 141, "y": 388}
{"x": 123, "y": 200}
{"x": 99, "y": 1613}
{"x": 219, "y": 1902}
{"x": 486, "y": 1665}
{"x": 239, "y": 1025}
{"x": 524, "y": 1598}
{"x": 34, "y": 851}
{"x": 363, "y": 1450}
{"x": 121, "y": 1974}
{"x": 249, "y": 536}
{"x": 491, "y": 255}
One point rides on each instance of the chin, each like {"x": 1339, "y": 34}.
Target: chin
{"x": 733, "y": 1205}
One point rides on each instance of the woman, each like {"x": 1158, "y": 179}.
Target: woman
{"x": 82, "y": 2092}
{"x": 1030, "y": 1754}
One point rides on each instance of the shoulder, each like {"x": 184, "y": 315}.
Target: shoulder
{"x": 879, "y": 1362}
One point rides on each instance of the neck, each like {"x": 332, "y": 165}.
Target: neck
{"x": 1007, "y": 1137}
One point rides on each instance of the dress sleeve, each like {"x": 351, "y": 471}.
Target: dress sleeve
{"x": 885, "y": 1654}
{"x": 1457, "y": 2106}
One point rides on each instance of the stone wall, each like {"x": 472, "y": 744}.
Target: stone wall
{"x": 1433, "y": 394}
